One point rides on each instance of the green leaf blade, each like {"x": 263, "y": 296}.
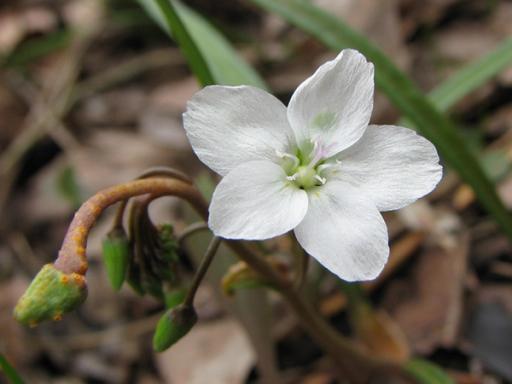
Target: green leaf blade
{"x": 471, "y": 76}
{"x": 9, "y": 371}
{"x": 426, "y": 372}
{"x": 188, "y": 45}
{"x": 224, "y": 63}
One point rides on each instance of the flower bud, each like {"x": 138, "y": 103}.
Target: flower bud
{"x": 173, "y": 325}
{"x": 51, "y": 294}
{"x": 174, "y": 297}
{"x": 116, "y": 255}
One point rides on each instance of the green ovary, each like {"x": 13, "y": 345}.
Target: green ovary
{"x": 302, "y": 169}
{"x": 305, "y": 177}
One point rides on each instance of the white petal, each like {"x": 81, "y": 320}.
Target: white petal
{"x": 255, "y": 201}
{"x": 334, "y": 105}
{"x": 345, "y": 232}
{"x": 393, "y": 166}
{"x": 227, "y": 126}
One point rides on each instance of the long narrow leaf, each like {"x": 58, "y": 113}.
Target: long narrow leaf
{"x": 471, "y": 76}
{"x": 188, "y": 45}
{"x": 427, "y": 373}
{"x": 9, "y": 371}
{"x": 226, "y": 66}
{"x": 402, "y": 92}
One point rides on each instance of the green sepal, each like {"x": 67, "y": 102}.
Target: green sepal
{"x": 51, "y": 294}
{"x": 116, "y": 256}
{"x": 152, "y": 285}
{"x": 169, "y": 243}
{"x": 174, "y": 297}
{"x": 173, "y": 325}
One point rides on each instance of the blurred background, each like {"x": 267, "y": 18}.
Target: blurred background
{"x": 91, "y": 94}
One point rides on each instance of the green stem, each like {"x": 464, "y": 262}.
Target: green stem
{"x": 191, "y": 230}
{"x": 201, "y": 270}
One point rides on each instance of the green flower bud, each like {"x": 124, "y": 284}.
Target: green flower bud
{"x": 174, "y": 297}
{"x": 173, "y": 325}
{"x": 51, "y": 294}
{"x": 116, "y": 255}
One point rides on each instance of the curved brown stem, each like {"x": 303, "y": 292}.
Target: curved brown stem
{"x": 356, "y": 366}
{"x": 72, "y": 256}
{"x": 151, "y": 172}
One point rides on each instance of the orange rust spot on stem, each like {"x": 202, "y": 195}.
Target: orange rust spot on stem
{"x": 57, "y": 317}
{"x": 83, "y": 267}
{"x": 64, "y": 279}
{"x": 78, "y": 278}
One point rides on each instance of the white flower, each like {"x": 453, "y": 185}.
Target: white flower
{"x": 316, "y": 167}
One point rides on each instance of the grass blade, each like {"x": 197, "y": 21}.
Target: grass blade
{"x": 471, "y": 76}
{"x": 9, "y": 371}
{"x": 427, "y": 373}
{"x": 224, "y": 63}
{"x": 335, "y": 34}
{"x": 188, "y": 46}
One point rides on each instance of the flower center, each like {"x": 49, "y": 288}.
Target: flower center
{"x": 308, "y": 167}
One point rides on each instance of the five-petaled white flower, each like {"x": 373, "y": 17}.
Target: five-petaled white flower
{"x": 316, "y": 167}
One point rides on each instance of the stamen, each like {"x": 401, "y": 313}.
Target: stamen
{"x": 317, "y": 153}
{"x": 321, "y": 179}
{"x": 326, "y": 166}
{"x": 292, "y": 177}
{"x": 284, "y": 155}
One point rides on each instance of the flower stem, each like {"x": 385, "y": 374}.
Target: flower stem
{"x": 72, "y": 256}
{"x": 191, "y": 230}
{"x": 355, "y": 365}
{"x": 151, "y": 172}
{"x": 201, "y": 270}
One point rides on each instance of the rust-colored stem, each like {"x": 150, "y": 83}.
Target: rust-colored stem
{"x": 356, "y": 366}
{"x": 72, "y": 256}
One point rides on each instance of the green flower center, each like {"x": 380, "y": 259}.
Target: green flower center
{"x": 308, "y": 166}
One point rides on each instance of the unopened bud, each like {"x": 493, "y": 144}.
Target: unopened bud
{"x": 51, "y": 294}
{"x": 174, "y": 297}
{"x": 173, "y": 325}
{"x": 116, "y": 255}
